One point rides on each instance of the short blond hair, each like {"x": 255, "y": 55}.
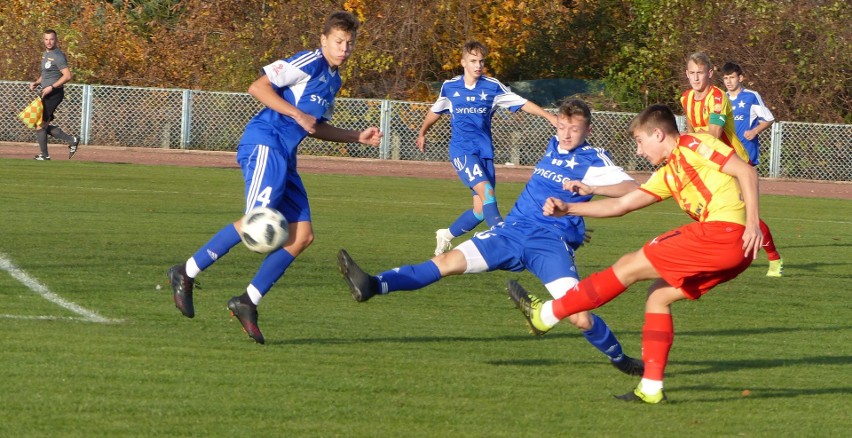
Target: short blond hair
{"x": 700, "y": 58}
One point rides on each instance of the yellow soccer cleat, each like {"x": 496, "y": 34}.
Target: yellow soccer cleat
{"x": 530, "y": 307}
{"x": 638, "y": 396}
{"x": 776, "y": 268}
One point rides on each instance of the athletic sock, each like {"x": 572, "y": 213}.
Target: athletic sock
{"x": 490, "y": 211}
{"x": 41, "y": 139}
{"x": 650, "y": 386}
{"x": 492, "y": 214}
{"x": 657, "y": 339}
{"x": 271, "y": 270}
{"x": 603, "y": 339}
{"x": 56, "y": 132}
{"x": 768, "y": 242}
{"x": 466, "y": 222}
{"x": 409, "y": 277}
{"x": 591, "y": 293}
{"x": 217, "y": 247}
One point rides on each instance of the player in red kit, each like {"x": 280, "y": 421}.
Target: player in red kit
{"x": 712, "y": 185}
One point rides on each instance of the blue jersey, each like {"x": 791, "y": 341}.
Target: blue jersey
{"x": 307, "y": 82}
{"x": 749, "y": 111}
{"x": 590, "y": 165}
{"x": 471, "y": 109}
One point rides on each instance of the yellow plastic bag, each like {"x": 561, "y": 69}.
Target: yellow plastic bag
{"x": 31, "y": 115}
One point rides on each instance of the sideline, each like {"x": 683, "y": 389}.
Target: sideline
{"x": 42, "y": 290}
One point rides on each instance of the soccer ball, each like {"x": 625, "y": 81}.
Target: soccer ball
{"x": 264, "y": 230}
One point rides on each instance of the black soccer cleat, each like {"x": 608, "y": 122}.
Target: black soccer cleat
{"x": 72, "y": 146}
{"x": 182, "y": 286}
{"x": 361, "y": 285}
{"x": 41, "y": 157}
{"x": 629, "y": 366}
{"x": 246, "y": 313}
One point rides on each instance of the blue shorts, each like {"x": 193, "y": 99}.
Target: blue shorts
{"x": 270, "y": 182}
{"x": 519, "y": 245}
{"x": 473, "y": 170}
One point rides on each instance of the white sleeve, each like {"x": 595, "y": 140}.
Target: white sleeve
{"x": 283, "y": 74}
{"x": 760, "y": 111}
{"x": 508, "y": 100}
{"x": 441, "y": 105}
{"x": 605, "y": 176}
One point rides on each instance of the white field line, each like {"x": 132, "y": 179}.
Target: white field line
{"x": 42, "y": 290}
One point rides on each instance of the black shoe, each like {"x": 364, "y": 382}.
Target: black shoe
{"x": 182, "y": 286}
{"x": 629, "y": 366}
{"x": 41, "y": 157}
{"x": 72, "y": 147}
{"x": 246, "y": 312}
{"x": 361, "y": 285}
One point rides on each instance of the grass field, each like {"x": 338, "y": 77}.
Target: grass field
{"x": 92, "y": 347}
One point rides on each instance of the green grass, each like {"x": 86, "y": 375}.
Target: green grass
{"x": 451, "y": 360}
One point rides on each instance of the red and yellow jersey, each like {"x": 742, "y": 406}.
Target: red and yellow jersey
{"x": 714, "y": 109}
{"x": 692, "y": 176}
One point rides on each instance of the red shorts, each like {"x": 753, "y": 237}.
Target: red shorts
{"x": 698, "y": 256}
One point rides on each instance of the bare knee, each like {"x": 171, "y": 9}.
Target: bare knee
{"x": 299, "y": 242}
{"x": 582, "y": 320}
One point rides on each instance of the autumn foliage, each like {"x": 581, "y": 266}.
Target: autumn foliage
{"x": 794, "y": 53}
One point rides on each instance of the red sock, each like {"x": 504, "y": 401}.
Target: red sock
{"x": 592, "y": 292}
{"x": 657, "y": 339}
{"x": 768, "y": 243}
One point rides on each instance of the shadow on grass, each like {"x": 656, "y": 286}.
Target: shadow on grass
{"x": 738, "y": 332}
{"x": 550, "y": 337}
{"x": 726, "y": 366}
{"x": 755, "y": 392}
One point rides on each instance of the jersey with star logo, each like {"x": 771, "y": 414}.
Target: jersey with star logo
{"x": 590, "y": 165}
{"x": 471, "y": 110}
{"x": 307, "y": 82}
{"x": 749, "y": 110}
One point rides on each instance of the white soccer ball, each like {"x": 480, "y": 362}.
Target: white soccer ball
{"x": 264, "y": 230}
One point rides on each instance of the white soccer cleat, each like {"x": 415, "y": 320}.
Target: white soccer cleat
{"x": 444, "y": 240}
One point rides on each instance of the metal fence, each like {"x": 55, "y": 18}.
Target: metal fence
{"x": 187, "y": 119}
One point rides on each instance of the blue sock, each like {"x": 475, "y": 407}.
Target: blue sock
{"x": 603, "y": 339}
{"x": 217, "y": 247}
{"x": 409, "y": 277}
{"x": 465, "y": 223}
{"x": 271, "y": 270}
{"x": 489, "y": 207}
{"x": 492, "y": 214}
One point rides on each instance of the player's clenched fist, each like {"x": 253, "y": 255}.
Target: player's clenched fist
{"x": 556, "y": 207}
{"x": 370, "y": 136}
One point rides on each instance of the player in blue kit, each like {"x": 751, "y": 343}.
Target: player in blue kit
{"x": 471, "y": 100}
{"x": 751, "y": 117}
{"x": 298, "y": 93}
{"x": 527, "y": 239}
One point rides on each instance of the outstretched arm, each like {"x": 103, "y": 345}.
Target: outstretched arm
{"x": 609, "y": 207}
{"x": 536, "y": 110}
{"x": 370, "y": 136}
{"x": 611, "y": 191}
